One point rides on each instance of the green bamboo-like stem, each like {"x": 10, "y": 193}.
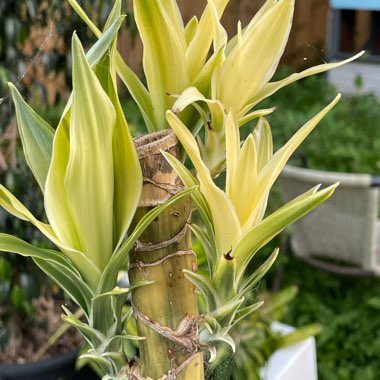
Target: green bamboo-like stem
{"x": 166, "y": 310}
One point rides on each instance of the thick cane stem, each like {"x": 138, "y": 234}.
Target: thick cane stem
{"x": 166, "y": 310}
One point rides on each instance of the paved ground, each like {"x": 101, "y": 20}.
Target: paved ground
{"x": 345, "y": 77}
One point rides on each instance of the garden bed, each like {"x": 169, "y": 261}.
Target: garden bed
{"x": 348, "y": 310}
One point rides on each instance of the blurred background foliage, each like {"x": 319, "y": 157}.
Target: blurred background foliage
{"x": 36, "y": 35}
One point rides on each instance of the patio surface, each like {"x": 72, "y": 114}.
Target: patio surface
{"x": 344, "y": 78}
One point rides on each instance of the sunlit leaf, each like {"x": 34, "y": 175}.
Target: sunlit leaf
{"x": 197, "y": 52}
{"x": 126, "y": 166}
{"x": 226, "y": 223}
{"x": 243, "y": 184}
{"x": 254, "y": 115}
{"x": 232, "y": 151}
{"x": 191, "y": 29}
{"x": 190, "y": 96}
{"x": 164, "y": 62}
{"x": 274, "y": 166}
{"x": 252, "y": 63}
{"x": 220, "y": 34}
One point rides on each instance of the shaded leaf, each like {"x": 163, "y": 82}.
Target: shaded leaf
{"x": 36, "y": 136}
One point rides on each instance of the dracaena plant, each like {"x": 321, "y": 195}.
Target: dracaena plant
{"x": 105, "y": 214}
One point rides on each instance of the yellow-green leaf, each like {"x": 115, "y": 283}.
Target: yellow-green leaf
{"x": 226, "y": 223}
{"x": 189, "y": 181}
{"x": 120, "y": 257}
{"x": 130, "y": 79}
{"x": 252, "y": 63}
{"x": 266, "y": 6}
{"x": 86, "y": 268}
{"x": 191, "y": 29}
{"x": 126, "y": 166}
{"x": 80, "y": 184}
{"x": 253, "y": 115}
{"x": 174, "y": 15}
{"x": 244, "y": 181}
{"x": 220, "y": 34}
{"x": 262, "y": 135}
{"x": 199, "y": 47}
{"x": 203, "y": 80}
{"x": 190, "y": 96}
{"x": 36, "y": 136}
{"x": 56, "y": 203}
{"x": 55, "y": 265}
{"x": 264, "y": 146}
{"x": 127, "y": 174}
{"x": 164, "y": 62}
{"x": 138, "y": 92}
{"x": 273, "y": 167}
{"x": 114, "y": 15}
{"x": 269, "y": 4}
{"x": 232, "y": 151}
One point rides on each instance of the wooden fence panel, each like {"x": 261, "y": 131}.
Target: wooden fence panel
{"x": 309, "y": 35}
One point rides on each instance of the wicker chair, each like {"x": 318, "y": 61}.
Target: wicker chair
{"x": 344, "y": 229}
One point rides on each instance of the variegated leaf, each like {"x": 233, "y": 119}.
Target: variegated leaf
{"x": 80, "y": 184}
{"x": 164, "y": 61}
{"x": 252, "y": 62}
{"x": 274, "y": 166}
{"x": 226, "y": 223}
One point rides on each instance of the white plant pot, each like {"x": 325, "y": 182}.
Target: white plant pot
{"x": 296, "y": 362}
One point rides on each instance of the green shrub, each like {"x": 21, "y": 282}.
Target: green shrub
{"x": 349, "y": 345}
